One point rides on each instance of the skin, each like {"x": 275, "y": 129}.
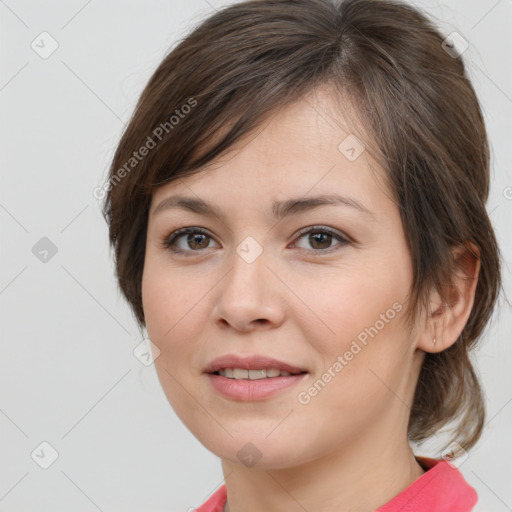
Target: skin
{"x": 303, "y": 300}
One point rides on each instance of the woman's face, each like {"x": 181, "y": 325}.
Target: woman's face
{"x": 329, "y": 300}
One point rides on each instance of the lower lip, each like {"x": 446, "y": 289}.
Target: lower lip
{"x": 258, "y": 389}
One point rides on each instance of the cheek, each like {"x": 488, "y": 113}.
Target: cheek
{"x": 361, "y": 362}
{"x": 172, "y": 307}
{"x": 342, "y": 305}
{"x": 156, "y": 302}
{"x": 165, "y": 298}
{"x": 360, "y": 330}
{"x": 169, "y": 313}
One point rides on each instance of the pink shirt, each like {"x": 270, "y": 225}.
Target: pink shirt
{"x": 441, "y": 489}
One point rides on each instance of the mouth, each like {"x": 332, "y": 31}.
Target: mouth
{"x": 256, "y": 374}
{"x": 253, "y": 377}
{"x": 244, "y": 389}
{"x": 251, "y": 367}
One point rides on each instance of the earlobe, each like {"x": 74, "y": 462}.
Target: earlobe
{"x": 451, "y": 311}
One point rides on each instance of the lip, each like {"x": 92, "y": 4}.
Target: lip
{"x": 247, "y": 389}
{"x": 252, "y": 362}
{"x": 252, "y": 390}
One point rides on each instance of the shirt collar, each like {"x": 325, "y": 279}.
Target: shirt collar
{"x": 441, "y": 488}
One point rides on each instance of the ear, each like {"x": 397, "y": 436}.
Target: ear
{"x": 450, "y": 312}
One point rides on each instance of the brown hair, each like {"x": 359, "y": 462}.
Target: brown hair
{"x": 413, "y": 98}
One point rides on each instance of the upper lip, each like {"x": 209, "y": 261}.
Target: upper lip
{"x": 252, "y": 362}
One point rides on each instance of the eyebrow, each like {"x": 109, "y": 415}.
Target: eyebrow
{"x": 280, "y": 209}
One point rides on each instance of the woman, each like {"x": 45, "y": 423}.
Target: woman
{"x": 297, "y": 208}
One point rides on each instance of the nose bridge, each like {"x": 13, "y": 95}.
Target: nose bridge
{"x": 247, "y": 293}
{"x": 248, "y": 270}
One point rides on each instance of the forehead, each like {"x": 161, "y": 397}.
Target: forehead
{"x": 305, "y": 148}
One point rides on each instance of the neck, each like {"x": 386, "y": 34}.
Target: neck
{"x": 360, "y": 478}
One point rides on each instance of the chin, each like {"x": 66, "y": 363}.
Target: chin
{"x": 258, "y": 452}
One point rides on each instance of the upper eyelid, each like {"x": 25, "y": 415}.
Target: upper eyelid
{"x": 327, "y": 229}
{"x": 301, "y": 232}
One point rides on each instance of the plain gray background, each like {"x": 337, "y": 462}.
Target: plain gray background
{"x": 68, "y": 375}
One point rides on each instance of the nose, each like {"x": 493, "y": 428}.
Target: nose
{"x": 250, "y": 295}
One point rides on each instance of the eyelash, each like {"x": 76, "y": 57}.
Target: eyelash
{"x": 170, "y": 240}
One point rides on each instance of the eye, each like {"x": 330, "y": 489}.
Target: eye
{"x": 195, "y": 240}
{"x": 321, "y": 237}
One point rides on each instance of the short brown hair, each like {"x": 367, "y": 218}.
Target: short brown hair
{"x": 412, "y": 97}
